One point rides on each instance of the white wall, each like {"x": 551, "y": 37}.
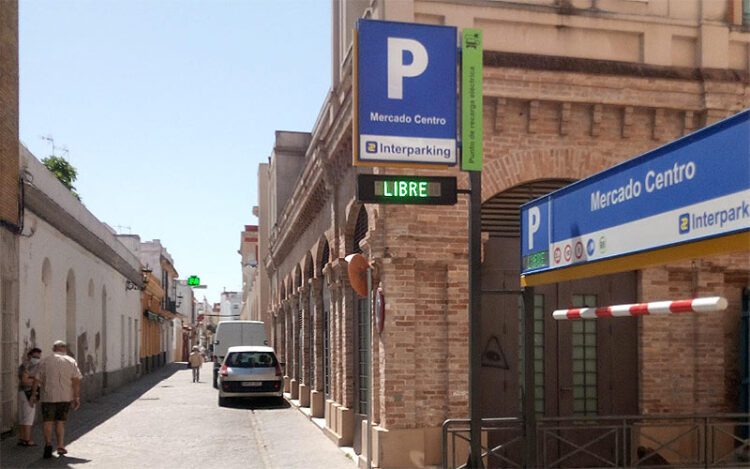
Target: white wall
{"x": 66, "y": 291}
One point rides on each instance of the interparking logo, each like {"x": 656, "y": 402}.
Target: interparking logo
{"x": 590, "y": 247}
{"x": 371, "y": 147}
{"x": 684, "y": 223}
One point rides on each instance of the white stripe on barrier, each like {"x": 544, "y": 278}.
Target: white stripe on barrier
{"x": 658, "y": 308}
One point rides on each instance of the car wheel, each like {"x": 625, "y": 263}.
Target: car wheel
{"x": 222, "y": 401}
{"x": 216, "y": 380}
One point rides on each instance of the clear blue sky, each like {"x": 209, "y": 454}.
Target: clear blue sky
{"x": 168, "y": 106}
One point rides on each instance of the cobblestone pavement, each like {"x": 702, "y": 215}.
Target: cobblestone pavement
{"x": 164, "y": 420}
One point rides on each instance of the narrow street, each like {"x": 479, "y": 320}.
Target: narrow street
{"x": 165, "y": 421}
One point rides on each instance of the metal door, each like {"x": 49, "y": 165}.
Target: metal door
{"x": 362, "y": 385}
{"x": 589, "y": 368}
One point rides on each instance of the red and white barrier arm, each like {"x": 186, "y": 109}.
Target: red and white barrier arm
{"x": 697, "y": 305}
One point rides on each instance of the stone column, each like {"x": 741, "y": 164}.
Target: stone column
{"x": 304, "y": 353}
{"x": 294, "y": 342}
{"x": 284, "y": 311}
{"x": 317, "y": 395}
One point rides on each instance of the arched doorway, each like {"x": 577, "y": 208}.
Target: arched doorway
{"x": 362, "y": 350}
{"x": 326, "y": 322}
{"x": 307, "y": 321}
{"x": 70, "y": 313}
{"x": 104, "y": 337}
{"x": 582, "y": 368}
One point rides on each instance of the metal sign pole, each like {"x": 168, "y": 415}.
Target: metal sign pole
{"x": 529, "y": 401}
{"x": 475, "y": 318}
{"x": 368, "y": 341}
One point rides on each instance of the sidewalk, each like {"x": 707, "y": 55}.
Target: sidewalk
{"x": 165, "y": 421}
{"x": 89, "y": 416}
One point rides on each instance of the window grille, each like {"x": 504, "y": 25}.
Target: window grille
{"x": 585, "y": 399}
{"x": 538, "y": 355}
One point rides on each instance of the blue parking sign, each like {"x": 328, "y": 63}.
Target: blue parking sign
{"x": 405, "y": 109}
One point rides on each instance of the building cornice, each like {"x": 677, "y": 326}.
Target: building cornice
{"x": 310, "y": 194}
{"x": 48, "y": 210}
{"x": 610, "y": 67}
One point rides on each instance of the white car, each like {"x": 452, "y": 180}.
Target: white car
{"x": 250, "y": 371}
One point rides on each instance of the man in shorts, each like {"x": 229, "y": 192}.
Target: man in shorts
{"x": 59, "y": 378}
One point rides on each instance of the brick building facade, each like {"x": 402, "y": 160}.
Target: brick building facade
{"x": 571, "y": 88}
{"x": 10, "y": 213}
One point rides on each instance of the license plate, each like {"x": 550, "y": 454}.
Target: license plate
{"x": 252, "y": 384}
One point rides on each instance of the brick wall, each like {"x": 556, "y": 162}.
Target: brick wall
{"x": 691, "y": 363}
{"x": 9, "y": 213}
{"x": 9, "y": 112}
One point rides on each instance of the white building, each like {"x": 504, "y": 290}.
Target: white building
{"x": 231, "y": 304}
{"x": 77, "y": 283}
{"x": 249, "y": 252}
{"x": 155, "y": 257}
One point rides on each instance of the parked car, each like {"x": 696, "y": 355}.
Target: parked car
{"x": 250, "y": 371}
{"x": 234, "y": 333}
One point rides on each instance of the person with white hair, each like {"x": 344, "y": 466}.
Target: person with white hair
{"x": 59, "y": 379}
{"x": 195, "y": 361}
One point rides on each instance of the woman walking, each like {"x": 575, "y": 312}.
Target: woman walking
{"x": 27, "y": 410}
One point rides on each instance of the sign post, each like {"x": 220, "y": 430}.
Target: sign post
{"x": 471, "y": 161}
{"x": 405, "y": 116}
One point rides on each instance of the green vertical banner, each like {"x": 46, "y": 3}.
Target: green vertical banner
{"x": 471, "y": 100}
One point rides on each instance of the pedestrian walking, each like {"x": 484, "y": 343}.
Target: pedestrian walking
{"x": 196, "y": 361}
{"x": 59, "y": 379}
{"x": 27, "y": 410}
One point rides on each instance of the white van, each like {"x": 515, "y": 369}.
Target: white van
{"x": 235, "y": 333}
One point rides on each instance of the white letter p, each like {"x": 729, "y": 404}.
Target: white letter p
{"x": 535, "y": 217}
{"x": 398, "y": 70}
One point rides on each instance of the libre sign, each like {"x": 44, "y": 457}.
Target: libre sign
{"x": 421, "y": 190}
{"x": 405, "y": 94}
{"x": 694, "y": 189}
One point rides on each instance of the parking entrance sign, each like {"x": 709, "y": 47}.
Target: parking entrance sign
{"x": 685, "y": 199}
{"x": 405, "y": 94}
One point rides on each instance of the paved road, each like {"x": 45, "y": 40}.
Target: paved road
{"x": 165, "y": 421}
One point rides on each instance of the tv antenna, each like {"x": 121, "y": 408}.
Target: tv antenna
{"x": 51, "y": 140}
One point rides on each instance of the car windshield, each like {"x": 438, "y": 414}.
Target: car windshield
{"x": 251, "y": 360}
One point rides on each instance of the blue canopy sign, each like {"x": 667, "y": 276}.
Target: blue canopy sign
{"x": 405, "y": 94}
{"x": 693, "y": 190}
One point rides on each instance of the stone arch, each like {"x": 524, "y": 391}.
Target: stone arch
{"x": 44, "y": 330}
{"x": 505, "y": 171}
{"x": 501, "y": 213}
{"x": 357, "y": 224}
{"x": 322, "y": 255}
{"x": 308, "y": 271}
{"x": 46, "y": 272}
{"x": 297, "y": 277}
{"x": 102, "y": 344}
{"x": 70, "y": 312}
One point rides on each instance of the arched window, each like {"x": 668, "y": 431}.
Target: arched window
{"x": 360, "y": 229}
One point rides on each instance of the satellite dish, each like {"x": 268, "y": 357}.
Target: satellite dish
{"x": 357, "y": 270}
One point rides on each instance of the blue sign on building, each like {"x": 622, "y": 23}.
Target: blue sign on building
{"x": 695, "y": 188}
{"x": 405, "y": 103}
